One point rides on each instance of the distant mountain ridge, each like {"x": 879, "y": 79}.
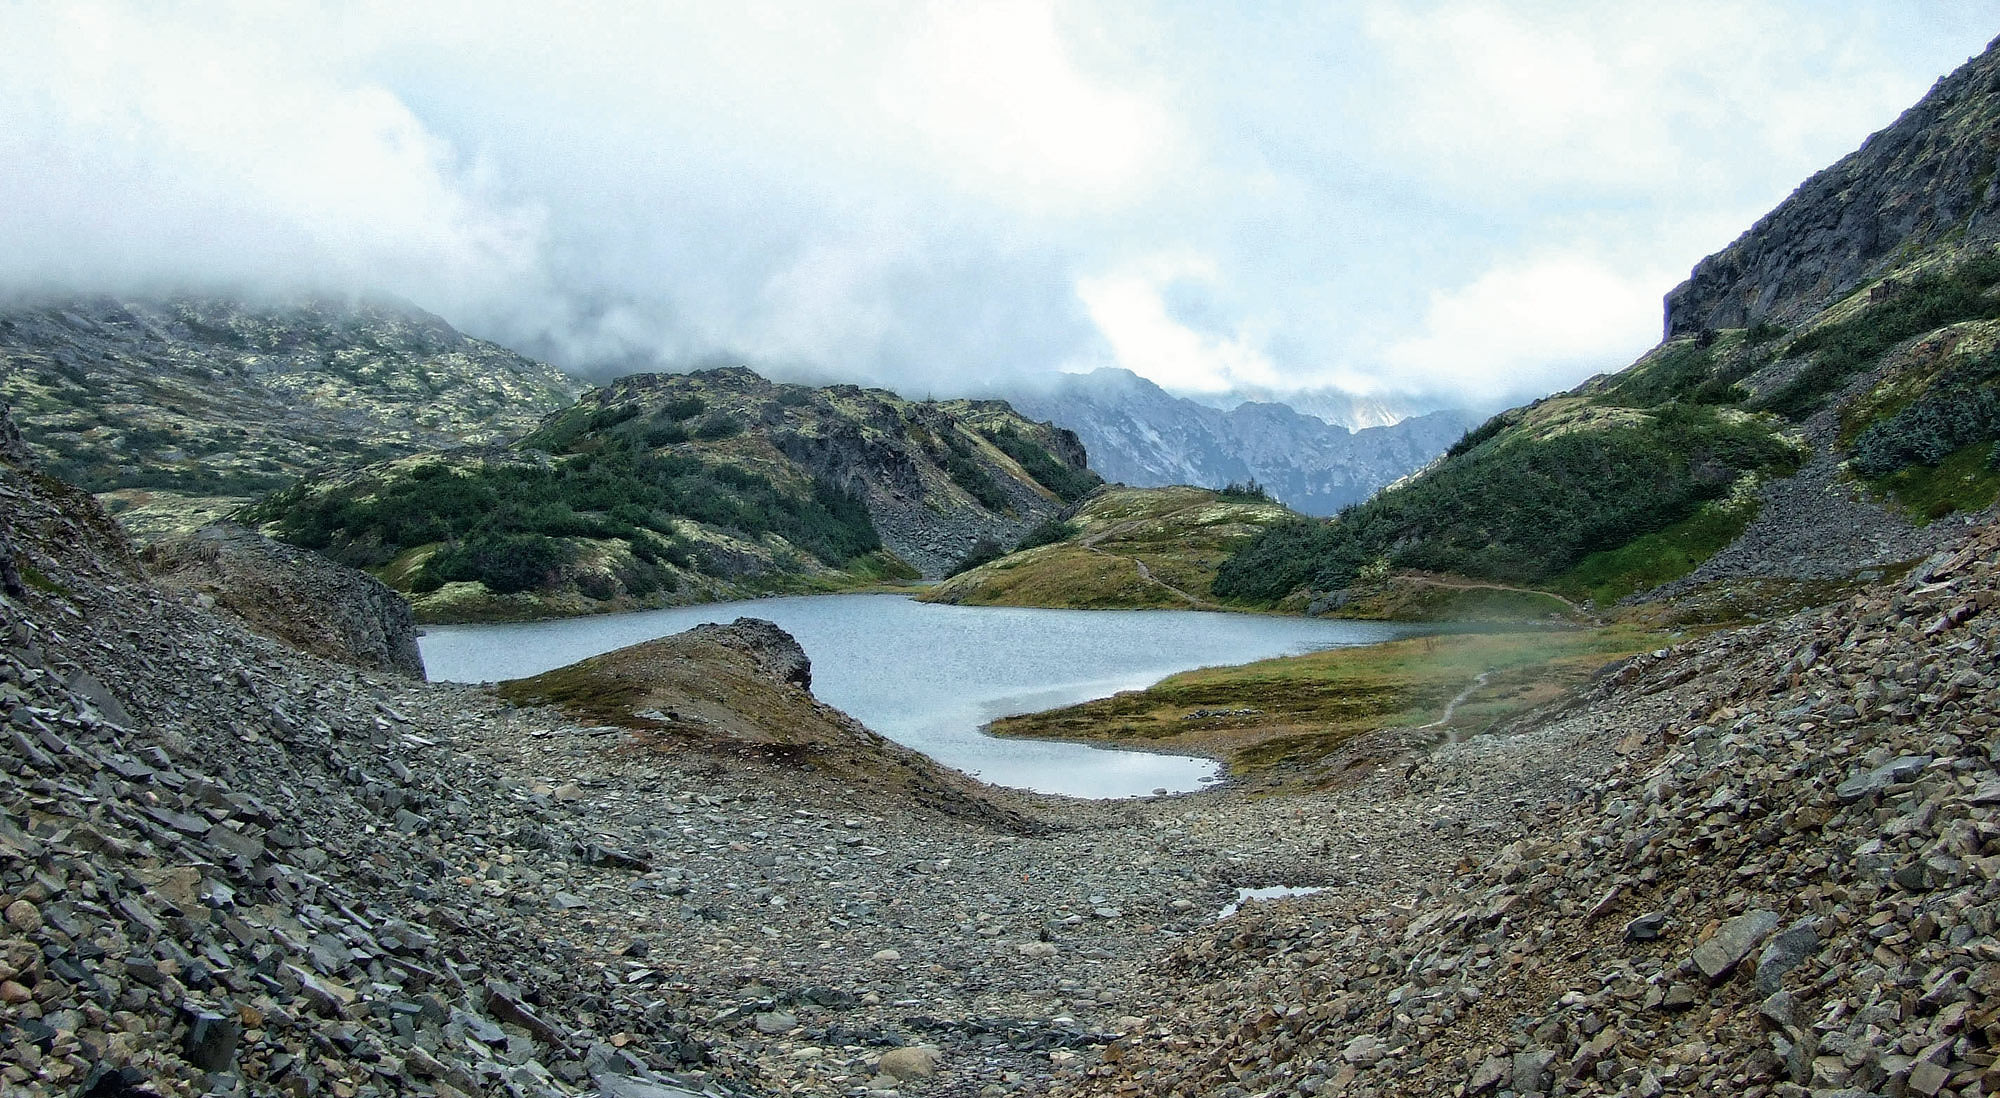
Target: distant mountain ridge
{"x": 1335, "y": 406}
{"x": 1139, "y": 434}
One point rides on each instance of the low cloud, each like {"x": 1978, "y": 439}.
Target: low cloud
{"x": 942, "y": 197}
{"x": 1522, "y": 331}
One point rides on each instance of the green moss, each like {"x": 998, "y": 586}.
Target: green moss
{"x": 580, "y": 689}
{"x": 34, "y": 578}
{"x": 1964, "y": 481}
{"x": 1652, "y": 559}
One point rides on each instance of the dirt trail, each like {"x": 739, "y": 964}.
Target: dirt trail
{"x": 1482, "y": 585}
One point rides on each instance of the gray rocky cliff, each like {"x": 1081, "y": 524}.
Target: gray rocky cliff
{"x": 293, "y": 595}
{"x": 1924, "y": 180}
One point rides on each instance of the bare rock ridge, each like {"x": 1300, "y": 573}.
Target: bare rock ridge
{"x": 293, "y": 595}
{"x": 1915, "y": 185}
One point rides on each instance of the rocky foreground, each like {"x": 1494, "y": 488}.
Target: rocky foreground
{"x": 1776, "y": 872}
{"x": 1756, "y": 863}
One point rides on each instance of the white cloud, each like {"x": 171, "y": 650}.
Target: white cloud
{"x": 1005, "y": 109}
{"x": 1129, "y": 308}
{"x": 140, "y": 147}
{"x": 936, "y": 195}
{"x": 1523, "y": 329}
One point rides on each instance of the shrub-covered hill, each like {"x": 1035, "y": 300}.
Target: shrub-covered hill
{"x": 1856, "y": 401}
{"x": 1124, "y": 547}
{"x": 661, "y": 488}
{"x": 178, "y": 410}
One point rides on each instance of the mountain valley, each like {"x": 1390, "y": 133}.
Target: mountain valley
{"x": 1698, "y": 794}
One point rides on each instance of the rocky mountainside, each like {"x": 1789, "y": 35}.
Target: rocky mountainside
{"x": 1139, "y": 434}
{"x": 180, "y": 409}
{"x": 1924, "y": 183}
{"x": 1766, "y": 862}
{"x": 668, "y": 488}
{"x": 1847, "y": 422}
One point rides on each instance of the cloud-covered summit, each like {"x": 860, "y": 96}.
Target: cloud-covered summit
{"x": 1480, "y": 200}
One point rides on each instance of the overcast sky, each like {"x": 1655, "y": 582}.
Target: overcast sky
{"x": 1475, "y": 198}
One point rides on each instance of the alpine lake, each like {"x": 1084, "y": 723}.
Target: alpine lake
{"x": 932, "y": 676}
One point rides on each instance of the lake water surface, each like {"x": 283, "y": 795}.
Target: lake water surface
{"x": 930, "y": 677}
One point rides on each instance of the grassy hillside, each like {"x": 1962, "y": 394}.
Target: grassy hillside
{"x": 1634, "y": 479}
{"x": 661, "y": 489}
{"x": 1125, "y": 547}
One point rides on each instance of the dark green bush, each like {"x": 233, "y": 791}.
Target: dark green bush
{"x": 966, "y": 472}
{"x": 1521, "y": 512}
{"x": 1245, "y": 491}
{"x": 983, "y": 551}
{"x": 1841, "y": 351}
{"x": 505, "y": 563}
{"x": 1954, "y": 412}
{"x": 1067, "y": 482}
{"x": 717, "y": 427}
{"x": 1483, "y": 433}
{"x": 1047, "y": 532}
{"x": 682, "y": 408}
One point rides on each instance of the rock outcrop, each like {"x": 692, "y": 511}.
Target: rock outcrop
{"x": 293, "y": 595}
{"x": 1927, "y": 179}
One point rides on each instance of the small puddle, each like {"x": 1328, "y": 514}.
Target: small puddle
{"x": 1270, "y": 892}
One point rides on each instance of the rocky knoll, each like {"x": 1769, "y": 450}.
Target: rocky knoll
{"x": 294, "y": 596}
{"x": 744, "y": 689}
{"x": 935, "y": 476}
{"x": 1925, "y": 180}
{"x": 1774, "y": 870}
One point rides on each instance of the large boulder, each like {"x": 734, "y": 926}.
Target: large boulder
{"x": 293, "y": 595}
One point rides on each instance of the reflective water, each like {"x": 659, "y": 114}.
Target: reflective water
{"x": 931, "y": 676}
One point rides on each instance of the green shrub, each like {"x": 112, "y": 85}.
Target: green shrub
{"x": 717, "y": 427}
{"x": 983, "y": 551}
{"x": 1067, "y": 482}
{"x": 1955, "y": 411}
{"x": 505, "y": 563}
{"x": 1483, "y": 433}
{"x": 1247, "y": 491}
{"x": 966, "y": 472}
{"x": 1047, "y": 532}
{"x": 682, "y": 408}
{"x": 1522, "y": 511}
{"x": 1841, "y": 351}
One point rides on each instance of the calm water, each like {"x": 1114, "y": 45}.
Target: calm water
{"x": 930, "y": 677}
